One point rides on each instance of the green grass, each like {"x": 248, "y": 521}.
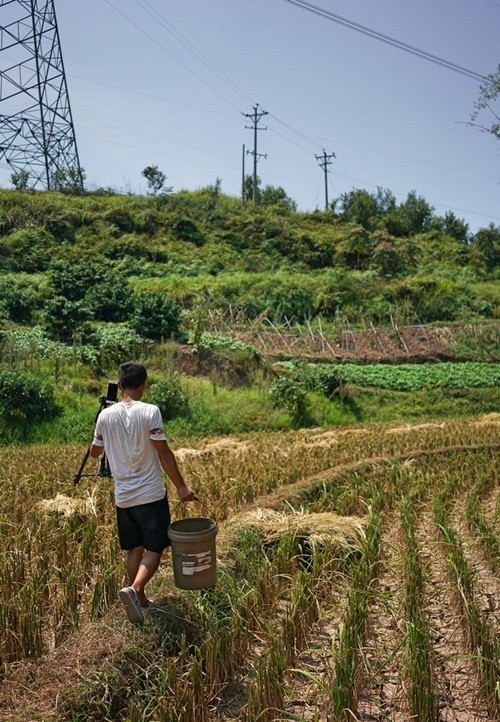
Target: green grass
{"x": 214, "y": 410}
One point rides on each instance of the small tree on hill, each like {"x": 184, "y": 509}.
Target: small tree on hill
{"x": 155, "y": 179}
{"x": 20, "y": 180}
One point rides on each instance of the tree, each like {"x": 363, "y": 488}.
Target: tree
{"x": 451, "y": 225}
{"x": 486, "y": 246}
{"x": 358, "y": 206}
{"x": 155, "y": 179}
{"x": 20, "y": 180}
{"x": 412, "y": 216}
{"x": 69, "y": 180}
{"x": 248, "y": 189}
{"x": 387, "y": 257}
{"x": 355, "y": 250}
{"x": 277, "y": 196}
{"x": 489, "y": 92}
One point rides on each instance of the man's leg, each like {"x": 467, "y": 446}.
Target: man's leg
{"x": 134, "y": 557}
{"x": 143, "y": 565}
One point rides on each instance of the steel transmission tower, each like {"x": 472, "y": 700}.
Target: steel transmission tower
{"x": 37, "y": 135}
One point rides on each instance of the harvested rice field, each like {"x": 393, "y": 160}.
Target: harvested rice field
{"x": 358, "y": 579}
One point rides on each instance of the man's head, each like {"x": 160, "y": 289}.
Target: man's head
{"x": 131, "y": 375}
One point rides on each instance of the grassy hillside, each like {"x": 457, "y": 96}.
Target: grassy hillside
{"x": 87, "y": 281}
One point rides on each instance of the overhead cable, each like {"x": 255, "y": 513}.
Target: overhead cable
{"x": 169, "y": 53}
{"x": 144, "y": 4}
{"x": 333, "y": 17}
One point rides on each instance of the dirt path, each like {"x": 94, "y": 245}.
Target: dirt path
{"x": 383, "y": 695}
{"x": 487, "y": 584}
{"x": 456, "y": 678}
{"x": 305, "y": 696}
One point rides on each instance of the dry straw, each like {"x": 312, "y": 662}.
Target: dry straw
{"x": 66, "y": 506}
{"x": 319, "y": 528}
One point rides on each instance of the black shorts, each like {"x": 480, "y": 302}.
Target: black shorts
{"x": 145, "y": 525}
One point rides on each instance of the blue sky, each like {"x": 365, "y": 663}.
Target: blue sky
{"x": 139, "y": 96}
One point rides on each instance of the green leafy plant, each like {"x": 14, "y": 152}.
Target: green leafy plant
{"x": 156, "y": 317}
{"x": 169, "y": 397}
{"x": 291, "y": 394}
{"x": 25, "y": 401}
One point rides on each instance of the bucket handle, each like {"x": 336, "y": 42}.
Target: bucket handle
{"x": 204, "y": 506}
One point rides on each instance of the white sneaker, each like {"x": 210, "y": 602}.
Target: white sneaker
{"x": 132, "y": 606}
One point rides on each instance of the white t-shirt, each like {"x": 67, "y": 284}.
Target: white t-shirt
{"x": 125, "y": 430}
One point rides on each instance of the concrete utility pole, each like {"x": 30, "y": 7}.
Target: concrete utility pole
{"x": 324, "y": 161}
{"x": 243, "y": 176}
{"x": 255, "y": 117}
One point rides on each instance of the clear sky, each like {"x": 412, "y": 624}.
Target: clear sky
{"x": 166, "y": 83}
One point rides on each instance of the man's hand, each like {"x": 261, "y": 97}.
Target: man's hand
{"x": 186, "y": 493}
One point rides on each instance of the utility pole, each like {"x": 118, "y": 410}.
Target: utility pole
{"x": 324, "y": 161}
{"x": 37, "y": 135}
{"x": 255, "y": 117}
{"x": 243, "y": 176}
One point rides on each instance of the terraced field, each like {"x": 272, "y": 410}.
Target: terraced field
{"x": 373, "y": 594}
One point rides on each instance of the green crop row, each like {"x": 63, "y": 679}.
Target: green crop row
{"x": 404, "y": 377}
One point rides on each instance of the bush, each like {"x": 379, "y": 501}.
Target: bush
{"x": 63, "y": 318}
{"x": 25, "y": 402}
{"x": 18, "y": 300}
{"x": 156, "y": 317}
{"x": 170, "y": 399}
{"x": 291, "y": 394}
{"x": 111, "y": 300}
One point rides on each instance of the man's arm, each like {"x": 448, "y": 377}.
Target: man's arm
{"x": 96, "y": 451}
{"x": 169, "y": 466}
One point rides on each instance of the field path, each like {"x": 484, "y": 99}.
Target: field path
{"x": 456, "y": 678}
{"x": 383, "y": 695}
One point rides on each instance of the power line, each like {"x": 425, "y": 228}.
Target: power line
{"x": 387, "y": 39}
{"x": 156, "y": 42}
{"x": 150, "y": 95}
{"x": 192, "y": 48}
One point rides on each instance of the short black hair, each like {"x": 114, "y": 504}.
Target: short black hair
{"x": 131, "y": 375}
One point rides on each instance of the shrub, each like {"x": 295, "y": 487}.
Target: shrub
{"x": 73, "y": 280}
{"x": 291, "y": 394}
{"x": 115, "y": 342}
{"x": 169, "y": 397}
{"x": 111, "y": 300}
{"x": 18, "y": 300}
{"x": 25, "y": 401}
{"x": 186, "y": 230}
{"x": 26, "y": 249}
{"x": 62, "y": 318}
{"x": 121, "y": 218}
{"x": 156, "y": 317}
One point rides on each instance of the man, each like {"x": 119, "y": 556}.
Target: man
{"x": 131, "y": 433}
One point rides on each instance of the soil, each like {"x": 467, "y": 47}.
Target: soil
{"x": 408, "y": 344}
{"x": 383, "y": 694}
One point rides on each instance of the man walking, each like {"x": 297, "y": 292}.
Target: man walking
{"x": 131, "y": 433}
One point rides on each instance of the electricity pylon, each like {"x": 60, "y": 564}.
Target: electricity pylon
{"x": 37, "y": 135}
